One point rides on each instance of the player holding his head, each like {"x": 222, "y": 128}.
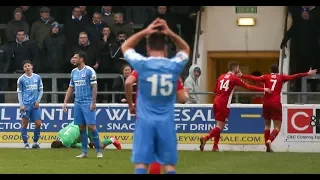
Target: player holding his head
{"x": 221, "y": 106}
{"x": 182, "y": 96}
{"x": 30, "y": 91}
{"x": 272, "y": 106}
{"x": 69, "y": 137}
{"x": 155, "y": 134}
{"x": 84, "y": 84}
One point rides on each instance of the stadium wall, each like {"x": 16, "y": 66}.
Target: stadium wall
{"x": 244, "y": 132}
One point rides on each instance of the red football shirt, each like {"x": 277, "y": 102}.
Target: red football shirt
{"x": 275, "y": 83}
{"x": 179, "y": 85}
{"x": 225, "y": 86}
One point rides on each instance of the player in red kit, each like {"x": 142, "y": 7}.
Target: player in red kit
{"x": 272, "y": 107}
{"x": 182, "y": 95}
{"x": 221, "y": 106}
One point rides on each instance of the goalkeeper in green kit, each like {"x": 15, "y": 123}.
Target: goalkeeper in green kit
{"x": 69, "y": 137}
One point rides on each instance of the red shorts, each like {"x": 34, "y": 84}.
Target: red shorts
{"x": 272, "y": 111}
{"x": 221, "y": 114}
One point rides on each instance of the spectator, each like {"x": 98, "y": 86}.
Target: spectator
{"x": 120, "y": 25}
{"x": 305, "y": 45}
{"x": 106, "y": 65}
{"x": 139, "y": 14}
{"x": 192, "y": 83}
{"x": 117, "y": 58}
{"x": 163, "y": 14}
{"x": 94, "y": 29}
{"x": 4, "y": 64}
{"x": 16, "y": 24}
{"x": 41, "y": 27}
{"x": 84, "y": 13}
{"x": 92, "y": 50}
{"x": 74, "y": 26}
{"x": 107, "y": 15}
{"x": 118, "y": 83}
{"x": 54, "y": 51}
{"x": 28, "y": 14}
{"x": 20, "y": 50}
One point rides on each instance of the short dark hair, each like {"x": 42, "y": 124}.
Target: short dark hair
{"x": 156, "y": 41}
{"x": 19, "y": 30}
{"x": 121, "y": 32}
{"x": 274, "y": 68}
{"x": 232, "y": 65}
{"x": 26, "y": 62}
{"x": 82, "y": 55}
{"x": 56, "y": 144}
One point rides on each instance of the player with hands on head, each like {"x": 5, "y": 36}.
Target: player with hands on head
{"x": 223, "y": 91}
{"x": 272, "y": 106}
{"x": 155, "y": 134}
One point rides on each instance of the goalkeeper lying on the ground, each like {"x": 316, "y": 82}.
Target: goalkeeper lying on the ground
{"x": 69, "y": 137}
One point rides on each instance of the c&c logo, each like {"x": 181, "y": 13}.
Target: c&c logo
{"x": 299, "y": 121}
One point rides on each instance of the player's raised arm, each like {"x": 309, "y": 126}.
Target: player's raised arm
{"x": 298, "y": 75}
{"x": 238, "y": 82}
{"x": 129, "y": 89}
{"x": 253, "y": 78}
{"x": 130, "y": 55}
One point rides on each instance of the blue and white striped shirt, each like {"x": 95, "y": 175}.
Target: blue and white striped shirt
{"x": 30, "y": 89}
{"x": 82, "y": 81}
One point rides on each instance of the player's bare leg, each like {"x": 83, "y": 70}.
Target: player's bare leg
{"x": 214, "y": 133}
{"x": 169, "y": 169}
{"x": 96, "y": 139}
{"x": 36, "y": 135}
{"x": 267, "y": 126}
{"x": 24, "y": 132}
{"x": 84, "y": 142}
{"x": 141, "y": 168}
{"x": 274, "y": 133}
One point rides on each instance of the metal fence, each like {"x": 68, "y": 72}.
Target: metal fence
{"x": 301, "y": 97}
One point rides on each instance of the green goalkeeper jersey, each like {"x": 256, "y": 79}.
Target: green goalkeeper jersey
{"x": 70, "y": 135}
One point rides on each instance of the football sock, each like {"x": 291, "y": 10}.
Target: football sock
{"x": 212, "y": 133}
{"x": 216, "y": 138}
{"x": 273, "y": 135}
{"x": 24, "y": 135}
{"x": 96, "y": 139}
{"x": 171, "y": 172}
{"x": 107, "y": 142}
{"x": 140, "y": 171}
{"x": 84, "y": 141}
{"x": 36, "y": 135}
{"x": 155, "y": 168}
{"x": 266, "y": 135}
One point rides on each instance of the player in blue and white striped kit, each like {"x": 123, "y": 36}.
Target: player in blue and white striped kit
{"x": 30, "y": 91}
{"x": 83, "y": 83}
{"x": 155, "y": 135}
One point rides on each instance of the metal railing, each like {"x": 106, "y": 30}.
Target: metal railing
{"x": 301, "y": 96}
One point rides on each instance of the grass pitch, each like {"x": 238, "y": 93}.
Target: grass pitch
{"x": 56, "y": 161}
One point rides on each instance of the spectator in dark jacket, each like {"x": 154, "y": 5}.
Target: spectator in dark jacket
{"x": 73, "y": 26}
{"x": 28, "y": 14}
{"x": 120, "y": 25}
{"x": 54, "y": 51}
{"x": 41, "y": 27}
{"x": 107, "y": 15}
{"x": 106, "y": 65}
{"x": 118, "y": 83}
{"x": 84, "y": 13}
{"x": 139, "y": 14}
{"x": 3, "y": 69}
{"x": 163, "y": 14}
{"x": 92, "y": 50}
{"x": 117, "y": 59}
{"x": 94, "y": 29}
{"x": 16, "y": 24}
{"x": 20, "y": 50}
